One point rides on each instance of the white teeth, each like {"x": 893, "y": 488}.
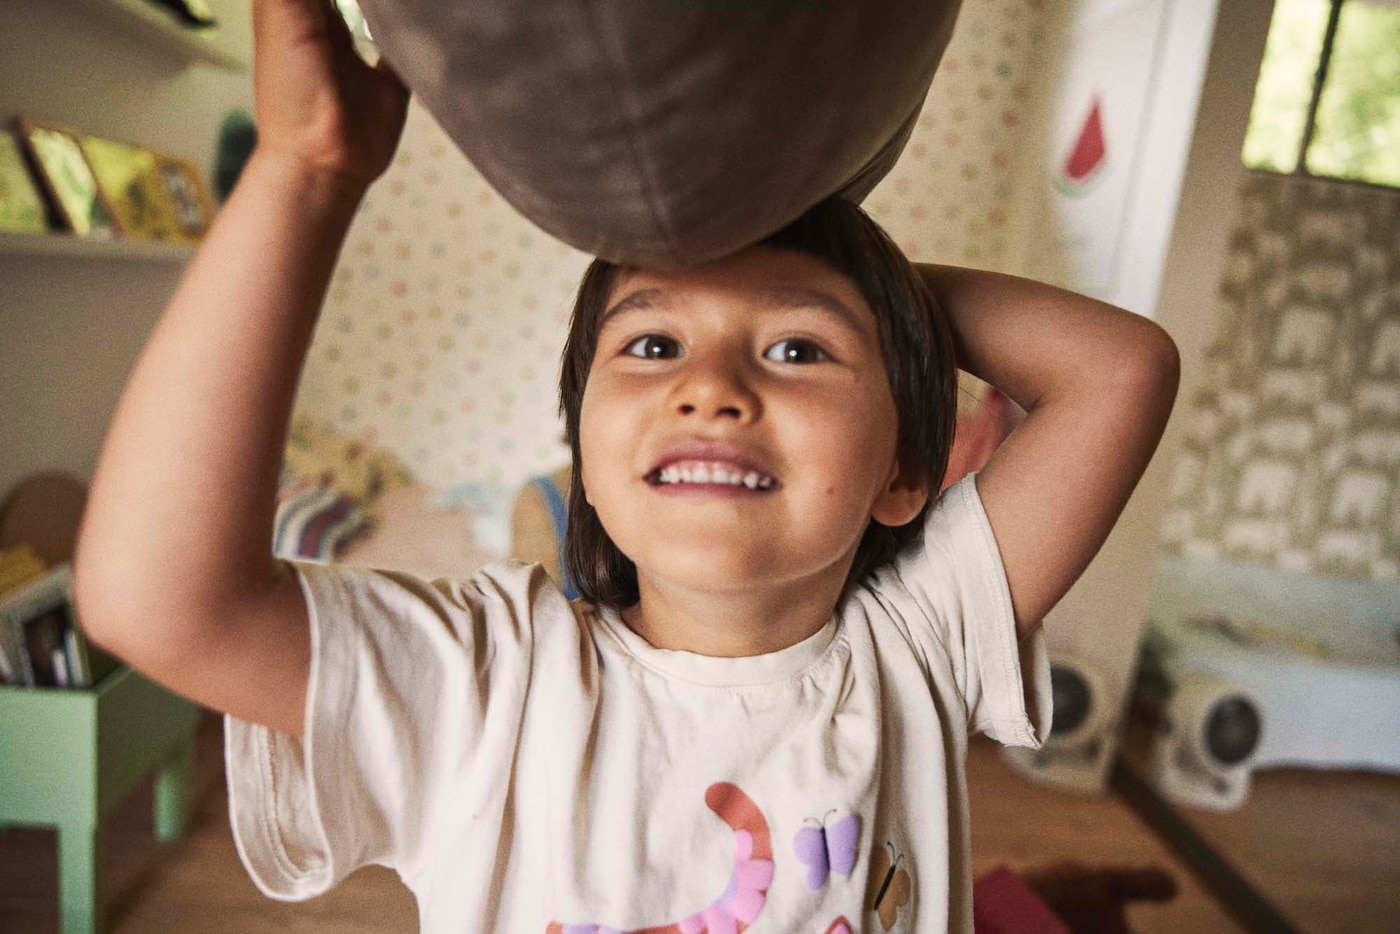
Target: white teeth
{"x": 713, "y": 473}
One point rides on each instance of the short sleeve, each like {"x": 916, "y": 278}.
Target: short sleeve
{"x": 956, "y": 576}
{"x": 410, "y": 682}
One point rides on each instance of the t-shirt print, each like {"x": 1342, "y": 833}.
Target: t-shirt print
{"x": 827, "y": 848}
{"x": 743, "y": 898}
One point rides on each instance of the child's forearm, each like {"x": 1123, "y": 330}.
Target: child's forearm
{"x": 1029, "y": 339}
{"x": 183, "y": 501}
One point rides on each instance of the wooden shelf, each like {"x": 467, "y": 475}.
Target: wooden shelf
{"x": 12, "y": 244}
{"x": 158, "y": 29}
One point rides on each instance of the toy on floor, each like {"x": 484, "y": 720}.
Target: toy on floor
{"x": 1094, "y": 899}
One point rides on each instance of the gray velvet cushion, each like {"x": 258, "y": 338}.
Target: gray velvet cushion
{"x": 669, "y": 133}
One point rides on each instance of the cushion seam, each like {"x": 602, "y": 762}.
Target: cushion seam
{"x": 627, "y": 120}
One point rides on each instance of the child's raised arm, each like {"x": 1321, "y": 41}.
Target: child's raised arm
{"x": 1098, "y": 384}
{"x": 174, "y": 570}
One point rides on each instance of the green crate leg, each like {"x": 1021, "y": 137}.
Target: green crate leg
{"x": 80, "y": 878}
{"x": 173, "y": 792}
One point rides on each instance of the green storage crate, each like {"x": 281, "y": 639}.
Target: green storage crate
{"x": 68, "y": 756}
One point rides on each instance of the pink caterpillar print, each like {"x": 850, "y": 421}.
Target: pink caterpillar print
{"x": 743, "y": 899}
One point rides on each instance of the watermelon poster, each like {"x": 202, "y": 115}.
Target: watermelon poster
{"x": 1094, "y": 142}
{"x": 1085, "y": 162}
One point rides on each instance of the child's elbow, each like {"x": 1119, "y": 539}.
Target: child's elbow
{"x": 113, "y": 597}
{"x": 1170, "y": 352}
{"x": 1160, "y": 358}
{"x": 1160, "y": 370}
{"x": 97, "y": 607}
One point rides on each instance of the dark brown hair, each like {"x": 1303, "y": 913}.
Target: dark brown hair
{"x": 915, "y": 339}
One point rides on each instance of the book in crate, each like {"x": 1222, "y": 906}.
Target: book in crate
{"x": 41, "y": 642}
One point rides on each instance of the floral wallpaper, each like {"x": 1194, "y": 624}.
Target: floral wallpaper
{"x": 1293, "y": 456}
{"x": 441, "y": 334}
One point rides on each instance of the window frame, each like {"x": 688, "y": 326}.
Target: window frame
{"x": 1319, "y": 81}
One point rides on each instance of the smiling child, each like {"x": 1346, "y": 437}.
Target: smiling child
{"x": 757, "y": 713}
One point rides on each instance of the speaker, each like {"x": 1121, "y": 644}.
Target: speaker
{"x": 1072, "y": 757}
{"x": 1206, "y": 742}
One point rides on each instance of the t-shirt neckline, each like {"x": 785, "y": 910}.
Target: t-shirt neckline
{"x": 716, "y": 671}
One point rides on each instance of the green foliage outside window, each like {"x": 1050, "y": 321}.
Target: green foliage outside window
{"x": 1281, "y": 97}
{"x": 1356, "y": 133}
{"x": 1358, "y": 118}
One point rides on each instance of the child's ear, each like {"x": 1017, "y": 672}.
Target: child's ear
{"x": 901, "y": 499}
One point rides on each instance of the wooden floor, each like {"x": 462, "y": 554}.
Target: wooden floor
{"x": 198, "y": 885}
{"x": 1322, "y": 879}
{"x": 1322, "y": 846}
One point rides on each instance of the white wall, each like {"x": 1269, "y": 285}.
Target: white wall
{"x": 70, "y": 328}
{"x": 1103, "y": 616}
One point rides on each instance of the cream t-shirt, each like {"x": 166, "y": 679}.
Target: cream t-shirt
{"x": 530, "y": 765}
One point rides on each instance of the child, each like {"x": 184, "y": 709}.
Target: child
{"x": 758, "y": 714}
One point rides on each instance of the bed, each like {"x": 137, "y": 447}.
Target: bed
{"x": 1317, "y": 657}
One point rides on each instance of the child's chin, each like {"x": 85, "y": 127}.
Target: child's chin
{"x": 717, "y": 571}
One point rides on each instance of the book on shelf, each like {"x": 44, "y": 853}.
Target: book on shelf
{"x": 19, "y": 565}
{"x": 41, "y": 641}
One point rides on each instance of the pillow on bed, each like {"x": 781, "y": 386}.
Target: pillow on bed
{"x": 316, "y": 523}
{"x": 669, "y": 133}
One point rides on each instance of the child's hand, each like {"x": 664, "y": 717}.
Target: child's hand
{"x": 317, "y": 102}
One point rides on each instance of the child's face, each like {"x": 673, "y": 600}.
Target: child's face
{"x": 766, "y": 367}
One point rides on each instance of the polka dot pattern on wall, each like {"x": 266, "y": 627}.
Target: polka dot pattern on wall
{"x": 948, "y": 199}
{"x": 443, "y": 325}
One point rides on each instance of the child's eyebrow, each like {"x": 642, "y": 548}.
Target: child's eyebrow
{"x": 778, "y": 297}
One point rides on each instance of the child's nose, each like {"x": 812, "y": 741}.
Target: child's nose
{"x": 716, "y": 390}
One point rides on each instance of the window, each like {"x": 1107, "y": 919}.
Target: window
{"x": 350, "y": 12}
{"x": 1328, "y": 99}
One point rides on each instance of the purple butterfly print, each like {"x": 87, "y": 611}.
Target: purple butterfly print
{"x": 828, "y": 849}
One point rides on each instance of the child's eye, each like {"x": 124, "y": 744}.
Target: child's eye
{"x": 796, "y": 351}
{"x": 654, "y": 347}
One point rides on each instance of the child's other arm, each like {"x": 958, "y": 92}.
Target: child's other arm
{"x": 174, "y": 570}
{"x": 1098, "y": 384}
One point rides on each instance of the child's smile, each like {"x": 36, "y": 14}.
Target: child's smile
{"x": 710, "y": 468}
{"x": 738, "y": 431}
